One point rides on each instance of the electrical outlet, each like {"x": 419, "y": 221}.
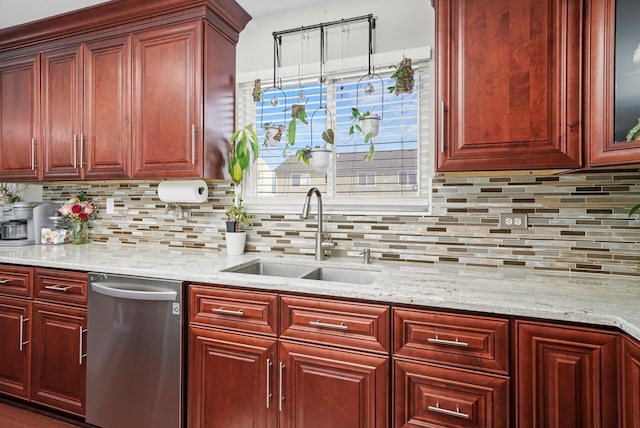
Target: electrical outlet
{"x": 513, "y": 221}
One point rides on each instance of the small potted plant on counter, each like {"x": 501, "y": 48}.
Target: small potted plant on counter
{"x": 244, "y": 146}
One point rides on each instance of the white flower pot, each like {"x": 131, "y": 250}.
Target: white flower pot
{"x": 235, "y": 242}
{"x": 320, "y": 158}
{"x": 273, "y": 134}
{"x": 371, "y": 125}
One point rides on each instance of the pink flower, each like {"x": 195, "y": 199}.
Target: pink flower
{"x": 64, "y": 210}
{"x": 89, "y": 209}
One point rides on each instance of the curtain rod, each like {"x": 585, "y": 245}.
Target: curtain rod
{"x": 369, "y": 17}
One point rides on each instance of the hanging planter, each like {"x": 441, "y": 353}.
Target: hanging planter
{"x": 370, "y": 125}
{"x": 319, "y": 158}
{"x": 403, "y": 76}
{"x": 273, "y": 134}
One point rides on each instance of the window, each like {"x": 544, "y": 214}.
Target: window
{"x": 397, "y": 175}
{"x": 367, "y": 178}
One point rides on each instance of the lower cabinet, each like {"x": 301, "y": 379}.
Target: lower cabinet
{"x": 566, "y": 376}
{"x": 15, "y": 338}
{"x": 245, "y": 372}
{"x": 58, "y": 357}
{"x": 630, "y": 383}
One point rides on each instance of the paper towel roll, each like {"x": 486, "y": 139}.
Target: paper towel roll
{"x": 183, "y": 191}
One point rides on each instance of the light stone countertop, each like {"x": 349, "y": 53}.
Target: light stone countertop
{"x": 605, "y": 300}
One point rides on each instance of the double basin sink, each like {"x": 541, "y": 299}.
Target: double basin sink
{"x": 322, "y": 273}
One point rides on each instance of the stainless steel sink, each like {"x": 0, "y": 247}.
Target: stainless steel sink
{"x": 260, "y": 267}
{"x": 352, "y": 276}
{"x": 271, "y": 269}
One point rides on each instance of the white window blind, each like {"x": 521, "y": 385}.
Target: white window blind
{"x": 398, "y": 174}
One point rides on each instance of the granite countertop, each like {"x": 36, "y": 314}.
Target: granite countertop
{"x": 605, "y": 300}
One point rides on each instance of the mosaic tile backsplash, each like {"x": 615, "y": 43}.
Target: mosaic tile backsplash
{"x": 576, "y": 223}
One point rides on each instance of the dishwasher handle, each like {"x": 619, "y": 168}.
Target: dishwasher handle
{"x": 117, "y": 290}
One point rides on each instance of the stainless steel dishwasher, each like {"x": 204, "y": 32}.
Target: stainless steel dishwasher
{"x": 134, "y": 352}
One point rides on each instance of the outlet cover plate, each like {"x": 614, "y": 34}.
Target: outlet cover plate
{"x": 513, "y": 221}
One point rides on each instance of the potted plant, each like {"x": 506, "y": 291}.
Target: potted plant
{"x": 273, "y": 134}
{"x": 244, "y": 145}
{"x": 318, "y": 157}
{"x": 368, "y": 125}
{"x": 403, "y": 76}
{"x": 298, "y": 114}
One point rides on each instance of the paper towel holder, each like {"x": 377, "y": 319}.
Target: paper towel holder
{"x": 183, "y": 191}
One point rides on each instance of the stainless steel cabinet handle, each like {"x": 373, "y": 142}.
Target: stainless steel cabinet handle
{"x": 75, "y": 150}
{"x": 4, "y": 281}
{"x": 269, "y": 395}
{"x": 33, "y": 154}
{"x": 222, "y": 311}
{"x": 58, "y": 288}
{"x": 443, "y": 134}
{"x": 280, "y": 386}
{"x": 447, "y": 342}
{"x": 81, "y": 355}
{"x": 321, "y": 324}
{"x": 193, "y": 144}
{"x": 21, "y": 336}
{"x": 82, "y": 139}
{"x": 456, "y": 413}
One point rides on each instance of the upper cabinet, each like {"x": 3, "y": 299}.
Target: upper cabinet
{"x": 508, "y": 84}
{"x": 126, "y": 89}
{"x": 612, "y": 128}
{"x": 19, "y": 117}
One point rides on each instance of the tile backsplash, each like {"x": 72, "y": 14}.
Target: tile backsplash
{"x": 577, "y": 222}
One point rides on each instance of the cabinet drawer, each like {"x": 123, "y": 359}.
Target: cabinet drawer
{"x": 461, "y": 340}
{"x": 430, "y": 395}
{"x": 250, "y": 311}
{"x": 360, "y": 326}
{"x": 16, "y": 280}
{"x": 60, "y": 286}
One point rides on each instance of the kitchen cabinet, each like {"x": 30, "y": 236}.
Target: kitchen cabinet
{"x": 313, "y": 371}
{"x": 565, "y": 376}
{"x": 630, "y": 391}
{"x": 612, "y": 77}
{"x": 125, "y": 89}
{"x": 508, "y": 91}
{"x": 85, "y": 110}
{"x": 16, "y": 284}
{"x": 58, "y": 357}
{"x": 43, "y": 352}
{"x": 20, "y": 118}
{"x": 450, "y": 369}
{"x": 15, "y": 341}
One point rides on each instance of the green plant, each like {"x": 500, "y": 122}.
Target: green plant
{"x": 403, "y": 76}
{"x": 244, "y": 145}
{"x": 328, "y": 136}
{"x": 356, "y": 126}
{"x": 634, "y": 210}
{"x": 298, "y": 113}
{"x": 239, "y": 215}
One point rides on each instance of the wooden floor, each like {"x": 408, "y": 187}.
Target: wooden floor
{"x": 17, "y": 417}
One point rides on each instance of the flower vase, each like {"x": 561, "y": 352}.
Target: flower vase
{"x": 79, "y": 233}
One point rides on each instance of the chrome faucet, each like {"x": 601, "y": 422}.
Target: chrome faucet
{"x": 321, "y": 243}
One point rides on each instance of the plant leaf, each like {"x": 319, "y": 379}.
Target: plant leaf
{"x": 291, "y": 132}
{"x": 328, "y": 136}
{"x": 634, "y": 210}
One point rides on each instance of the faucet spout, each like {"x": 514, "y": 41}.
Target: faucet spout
{"x": 321, "y": 243}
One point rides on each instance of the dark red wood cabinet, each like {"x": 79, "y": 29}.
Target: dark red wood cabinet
{"x": 565, "y": 376}
{"x": 509, "y": 82}
{"x": 630, "y": 388}
{"x": 15, "y": 342}
{"x": 20, "y": 118}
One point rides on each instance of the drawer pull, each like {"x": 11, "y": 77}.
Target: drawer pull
{"x": 223, "y": 311}
{"x": 21, "y": 335}
{"x": 321, "y": 324}
{"x": 269, "y": 394}
{"x": 81, "y": 355}
{"x": 281, "y": 386}
{"x": 457, "y": 413}
{"x": 4, "y": 281}
{"x": 447, "y": 342}
{"x": 58, "y": 288}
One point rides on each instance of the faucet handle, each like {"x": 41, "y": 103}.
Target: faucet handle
{"x": 366, "y": 256}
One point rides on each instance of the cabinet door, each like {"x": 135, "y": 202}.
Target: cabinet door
{"x": 566, "y": 377}
{"x": 15, "y": 340}
{"x": 19, "y": 118}
{"x": 62, "y": 112}
{"x": 432, "y": 395}
{"x": 58, "y": 357}
{"x": 508, "y": 84}
{"x": 630, "y": 384}
{"x": 612, "y": 67}
{"x": 104, "y": 147}
{"x": 231, "y": 380}
{"x": 323, "y": 387}
{"x": 167, "y": 100}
